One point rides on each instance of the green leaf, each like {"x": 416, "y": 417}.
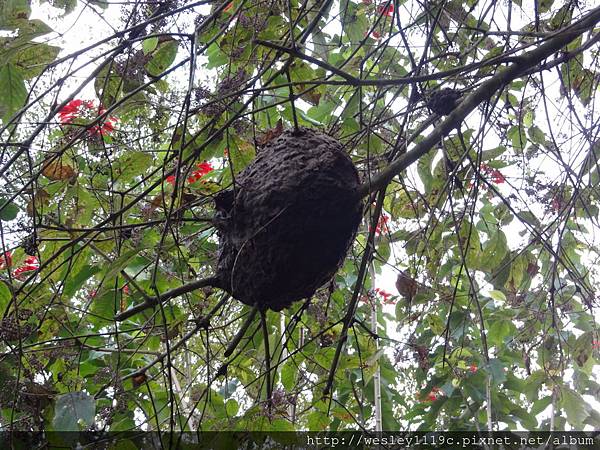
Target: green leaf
{"x": 8, "y": 210}
{"x": 241, "y": 153}
{"x": 498, "y": 295}
{"x": 72, "y": 410}
{"x": 496, "y": 370}
{"x": 74, "y": 282}
{"x": 494, "y": 251}
{"x": 318, "y": 421}
{"x": 537, "y": 135}
{"x": 517, "y": 136}
{"x": 545, "y": 5}
{"x": 101, "y": 3}
{"x": 14, "y": 92}
{"x": 149, "y": 45}
{"x": 574, "y": 406}
{"x": 28, "y": 29}
{"x": 288, "y": 376}
{"x": 493, "y": 153}
{"x": 33, "y": 57}
{"x": 562, "y": 17}
{"x": 5, "y": 297}
{"x": 11, "y": 11}
{"x": 424, "y": 171}
{"x": 162, "y": 58}
{"x": 131, "y": 164}
{"x": 216, "y": 57}
{"x": 232, "y": 407}
{"x": 108, "y": 86}
{"x": 66, "y": 5}
{"x": 584, "y": 85}
{"x": 120, "y": 263}
{"x": 499, "y": 330}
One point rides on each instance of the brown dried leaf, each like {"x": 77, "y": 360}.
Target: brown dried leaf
{"x": 270, "y": 134}
{"x": 55, "y": 170}
{"x": 407, "y": 286}
{"x": 40, "y": 199}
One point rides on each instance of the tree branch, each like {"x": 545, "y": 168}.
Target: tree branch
{"x": 175, "y": 292}
{"x": 504, "y": 76}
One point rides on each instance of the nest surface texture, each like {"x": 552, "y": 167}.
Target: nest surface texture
{"x": 286, "y": 227}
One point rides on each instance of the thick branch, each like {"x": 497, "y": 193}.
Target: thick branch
{"x": 504, "y": 76}
{"x": 175, "y": 292}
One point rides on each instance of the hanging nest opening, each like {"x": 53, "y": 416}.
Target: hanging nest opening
{"x": 286, "y": 227}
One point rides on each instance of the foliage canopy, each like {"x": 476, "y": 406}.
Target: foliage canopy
{"x": 487, "y": 218}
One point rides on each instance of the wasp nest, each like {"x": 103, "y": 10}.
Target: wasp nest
{"x": 444, "y": 101}
{"x": 286, "y": 227}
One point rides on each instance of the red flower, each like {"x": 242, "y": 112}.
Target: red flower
{"x": 435, "y": 393}
{"x": 382, "y": 224}
{"x": 6, "y": 260}
{"x": 77, "y": 109}
{"x": 228, "y": 7}
{"x": 73, "y": 109}
{"x": 386, "y": 10}
{"x": 31, "y": 264}
{"x": 203, "y": 168}
{"x": 596, "y": 344}
{"x": 472, "y": 368}
{"x": 495, "y": 175}
{"x": 387, "y": 297}
{"x": 126, "y": 290}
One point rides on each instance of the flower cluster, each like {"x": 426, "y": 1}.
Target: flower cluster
{"x": 494, "y": 174}
{"x": 386, "y": 297}
{"x": 202, "y": 169}
{"x": 473, "y": 368}
{"x": 382, "y": 224}
{"x": 433, "y": 395}
{"x": 30, "y": 264}
{"x": 85, "y": 109}
{"x": 374, "y": 34}
{"x": 386, "y": 10}
{"x": 5, "y": 260}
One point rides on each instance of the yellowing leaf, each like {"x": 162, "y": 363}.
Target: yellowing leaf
{"x": 56, "y": 170}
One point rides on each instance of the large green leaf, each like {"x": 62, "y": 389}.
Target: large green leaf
{"x": 575, "y": 407}
{"x": 73, "y": 283}
{"x": 8, "y": 210}
{"x": 73, "y": 411}
{"x": 11, "y": 11}
{"x": 5, "y": 297}
{"x": 162, "y": 57}
{"x": 33, "y": 57}
{"x": 14, "y": 92}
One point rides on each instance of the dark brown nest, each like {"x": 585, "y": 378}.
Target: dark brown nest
{"x": 444, "y": 101}
{"x": 286, "y": 227}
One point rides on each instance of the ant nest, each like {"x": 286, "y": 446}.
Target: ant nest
{"x": 286, "y": 227}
